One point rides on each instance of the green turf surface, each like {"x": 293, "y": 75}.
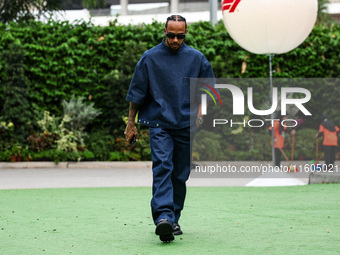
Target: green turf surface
{"x": 216, "y": 220}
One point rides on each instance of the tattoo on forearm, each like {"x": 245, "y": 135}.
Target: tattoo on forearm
{"x": 133, "y": 111}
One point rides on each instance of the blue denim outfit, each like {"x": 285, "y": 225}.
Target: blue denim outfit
{"x": 161, "y": 86}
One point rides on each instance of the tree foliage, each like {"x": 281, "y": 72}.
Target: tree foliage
{"x": 323, "y": 17}
{"x": 23, "y": 10}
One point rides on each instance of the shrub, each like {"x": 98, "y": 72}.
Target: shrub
{"x": 79, "y": 114}
{"x": 16, "y": 107}
{"x": 207, "y": 146}
{"x": 100, "y": 143}
{"x": 6, "y": 130}
{"x": 304, "y": 145}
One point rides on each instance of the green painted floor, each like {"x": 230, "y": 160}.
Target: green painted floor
{"x": 216, "y": 220}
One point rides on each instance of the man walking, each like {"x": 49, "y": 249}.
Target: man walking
{"x": 160, "y": 93}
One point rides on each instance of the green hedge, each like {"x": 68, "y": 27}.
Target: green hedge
{"x": 63, "y": 59}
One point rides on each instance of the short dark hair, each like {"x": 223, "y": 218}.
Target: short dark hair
{"x": 176, "y": 18}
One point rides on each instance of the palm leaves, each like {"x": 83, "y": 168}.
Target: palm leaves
{"x": 323, "y": 16}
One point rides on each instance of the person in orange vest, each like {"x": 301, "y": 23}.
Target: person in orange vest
{"x": 329, "y": 131}
{"x": 279, "y": 136}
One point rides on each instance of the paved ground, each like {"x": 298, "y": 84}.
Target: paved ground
{"x": 36, "y": 175}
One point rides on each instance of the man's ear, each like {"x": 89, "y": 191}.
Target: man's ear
{"x": 165, "y": 31}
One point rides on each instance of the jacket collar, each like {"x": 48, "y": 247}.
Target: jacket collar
{"x": 170, "y": 50}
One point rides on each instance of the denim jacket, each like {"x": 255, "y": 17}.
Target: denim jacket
{"x": 161, "y": 86}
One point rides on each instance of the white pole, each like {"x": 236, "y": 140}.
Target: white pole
{"x": 271, "y": 100}
{"x": 213, "y": 11}
{"x": 174, "y": 6}
{"x": 124, "y": 7}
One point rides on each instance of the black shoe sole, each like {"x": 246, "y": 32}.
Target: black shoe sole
{"x": 178, "y": 232}
{"x": 165, "y": 232}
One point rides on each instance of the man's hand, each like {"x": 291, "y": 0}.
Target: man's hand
{"x": 130, "y": 131}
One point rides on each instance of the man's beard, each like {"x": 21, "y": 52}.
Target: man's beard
{"x": 175, "y": 49}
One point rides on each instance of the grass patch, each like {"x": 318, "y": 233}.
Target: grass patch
{"x": 216, "y": 220}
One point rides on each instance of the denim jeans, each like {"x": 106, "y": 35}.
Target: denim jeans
{"x": 171, "y": 151}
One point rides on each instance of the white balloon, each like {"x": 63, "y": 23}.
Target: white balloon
{"x": 269, "y": 26}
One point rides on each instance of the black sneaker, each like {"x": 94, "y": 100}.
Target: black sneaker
{"x": 177, "y": 229}
{"x": 165, "y": 231}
